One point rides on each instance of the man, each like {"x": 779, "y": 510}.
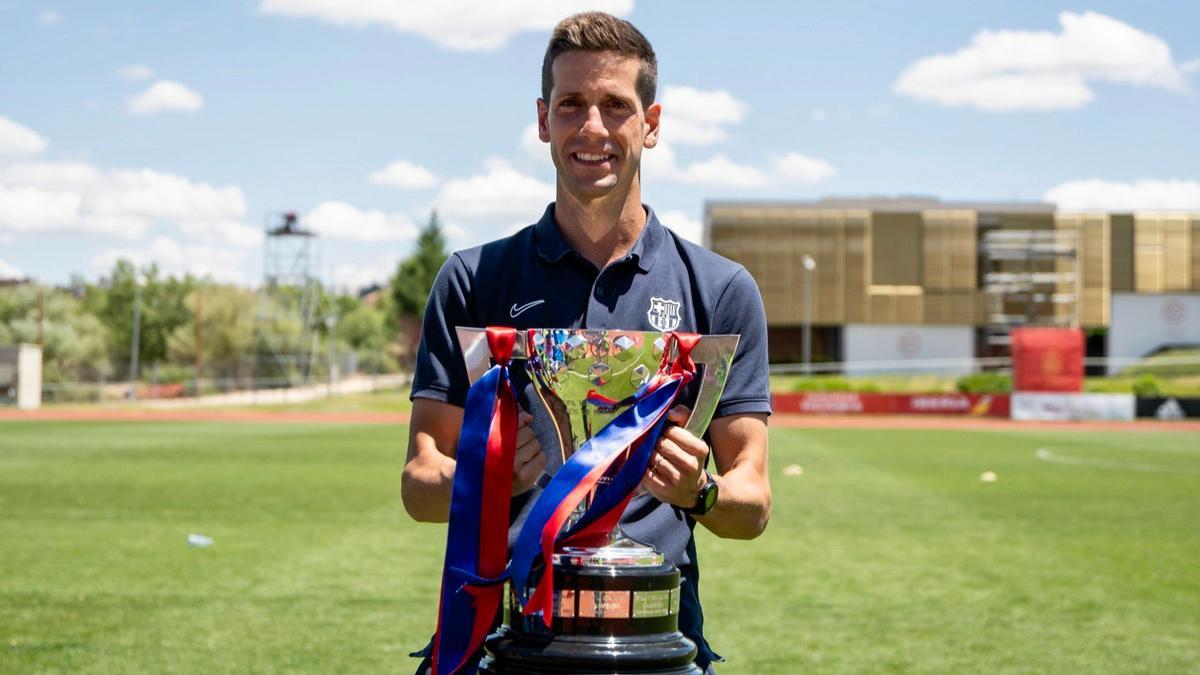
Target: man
{"x": 599, "y": 258}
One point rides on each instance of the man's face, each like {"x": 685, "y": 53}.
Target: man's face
{"x": 595, "y": 123}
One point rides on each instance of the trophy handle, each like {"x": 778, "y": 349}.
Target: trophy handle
{"x": 716, "y": 353}
{"x": 477, "y": 356}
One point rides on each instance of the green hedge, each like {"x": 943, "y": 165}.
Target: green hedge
{"x": 984, "y": 383}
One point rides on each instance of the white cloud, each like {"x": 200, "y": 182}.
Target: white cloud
{"x": 819, "y": 115}
{"x": 1190, "y": 67}
{"x": 165, "y": 96}
{"x": 70, "y": 176}
{"x": 77, "y": 197}
{"x": 501, "y": 193}
{"x": 25, "y": 210}
{"x": 721, "y": 171}
{"x": 50, "y": 16}
{"x": 532, "y": 145}
{"x": 405, "y": 175}
{"x": 229, "y": 232}
{"x": 1004, "y": 70}
{"x": 459, "y": 236}
{"x": 797, "y": 168}
{"x": 10, "y": 271}
{"x": 696, "y": 117}
{"x": 19, "y": 141}
{"x": 135, "y": 71}
{"x": 683, "y": 225}
{"x": 339, "y": 220}
{"x": 360, "y": 275}
{"x": 162, "y": 196}
{"x": 660, "y": 164}
{"x": 177, "y": 259}
{"x": 1140, "y": 195}
{"x": 466, "y": 25}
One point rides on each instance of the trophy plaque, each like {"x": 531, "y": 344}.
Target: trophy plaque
{"x": 615, "y": 607}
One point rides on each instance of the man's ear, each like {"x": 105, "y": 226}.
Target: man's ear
{"x": 543, "y": 112}
{"x": 653, "y": 114}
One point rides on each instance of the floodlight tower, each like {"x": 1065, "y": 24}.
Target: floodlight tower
{"x": 287, "y": 307}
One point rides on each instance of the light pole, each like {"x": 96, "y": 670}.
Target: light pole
{"x": 137, "y": 330}
{"x": 806, "y": 336}
{"x": 330, "y": 322}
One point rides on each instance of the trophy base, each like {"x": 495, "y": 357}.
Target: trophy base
{"x": 616, "y": 610}
{"x": 662, "y": 654}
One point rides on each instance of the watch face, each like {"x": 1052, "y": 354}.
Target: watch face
{"x": 710, "y": 497}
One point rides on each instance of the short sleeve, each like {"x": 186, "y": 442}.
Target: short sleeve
{"x": 740, "y": 310}
{"x": 440, "y": 372}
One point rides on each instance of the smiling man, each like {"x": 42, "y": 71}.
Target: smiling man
{"x": 599, "y": 258}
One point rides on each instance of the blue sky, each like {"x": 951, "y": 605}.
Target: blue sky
{"x": 172, "y": 131}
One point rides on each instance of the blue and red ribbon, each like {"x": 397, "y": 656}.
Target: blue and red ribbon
{"x": 477, "y": 536}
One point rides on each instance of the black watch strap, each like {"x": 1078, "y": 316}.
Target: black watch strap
{"x": 706, "y": 500}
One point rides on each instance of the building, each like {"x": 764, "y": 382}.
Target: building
{"x": 912, "y": 279}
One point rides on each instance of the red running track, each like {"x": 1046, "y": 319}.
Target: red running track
{"x": 779, "y": 421}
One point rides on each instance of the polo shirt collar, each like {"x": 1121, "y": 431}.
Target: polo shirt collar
{"x": 552, "y": 246}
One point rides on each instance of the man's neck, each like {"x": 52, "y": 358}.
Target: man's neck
{"x": 601, "y": 230}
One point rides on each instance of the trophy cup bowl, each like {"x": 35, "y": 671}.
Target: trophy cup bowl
{"x": 616, "y": 606}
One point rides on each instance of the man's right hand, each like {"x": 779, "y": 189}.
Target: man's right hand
{"x": 529, "y": 461}
{"x": 428, "y": 480}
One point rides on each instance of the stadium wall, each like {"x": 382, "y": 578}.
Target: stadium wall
{"x": 862, "y": 403}
{"x": 1037, "y": 406}
{"x": 864, "y": 346}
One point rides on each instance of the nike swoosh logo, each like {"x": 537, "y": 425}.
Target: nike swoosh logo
{"x": 517, "y": 310}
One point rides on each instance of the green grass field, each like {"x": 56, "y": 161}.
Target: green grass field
{"x": 887, "y": 555}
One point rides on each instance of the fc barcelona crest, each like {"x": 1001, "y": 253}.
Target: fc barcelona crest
{"x": 664, "y": 314}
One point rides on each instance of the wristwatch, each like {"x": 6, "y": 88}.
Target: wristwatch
{"x": 707, "y": 499}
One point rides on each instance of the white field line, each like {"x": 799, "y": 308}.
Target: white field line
{"x": 1046, "y": 455}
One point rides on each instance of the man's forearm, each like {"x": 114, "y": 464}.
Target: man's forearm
{"x": 743, "y": 505}
{"x": 426, "y": 487}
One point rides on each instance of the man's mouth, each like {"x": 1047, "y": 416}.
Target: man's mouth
{"x": 591, "y": 159}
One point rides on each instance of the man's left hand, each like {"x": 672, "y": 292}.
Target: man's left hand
{"x": 676, "y": 472}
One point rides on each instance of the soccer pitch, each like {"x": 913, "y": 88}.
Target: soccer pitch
{"x": 887, "y": 553}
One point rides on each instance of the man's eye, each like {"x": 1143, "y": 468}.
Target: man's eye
{"x": 618, "y": 104}
{"x": 568, "y": 103}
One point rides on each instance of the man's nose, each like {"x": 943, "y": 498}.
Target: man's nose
{"x": 594, "y": 124}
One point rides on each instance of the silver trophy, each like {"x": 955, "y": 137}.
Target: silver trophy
{"x": 618, "y": 601}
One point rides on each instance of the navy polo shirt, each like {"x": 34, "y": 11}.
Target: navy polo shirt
{"x": 534, "y": 279}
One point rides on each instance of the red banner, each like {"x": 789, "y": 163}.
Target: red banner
{"x": 847, "y": 403}
{"x": 1047, "y": 359}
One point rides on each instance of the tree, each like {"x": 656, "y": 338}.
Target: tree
{"x": 227, "y": 315}
{"x": 365, "y": 331}
{"x": 414, "y": 277}
{"x": 73, "y": 340}
{"x": 162, "y": 311}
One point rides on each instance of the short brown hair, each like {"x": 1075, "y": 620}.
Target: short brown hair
{"x": 600, "y": 32}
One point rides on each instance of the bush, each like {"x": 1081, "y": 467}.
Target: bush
{"x": 984, "y": 383}
{"x": 168, "y": 373}
{"x": 821, "y": 383}
{"x": 1147, "y": 385}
